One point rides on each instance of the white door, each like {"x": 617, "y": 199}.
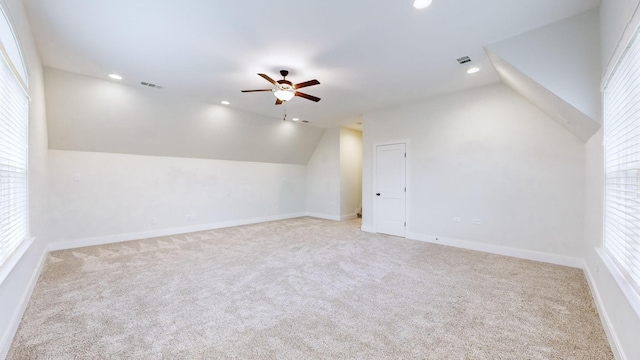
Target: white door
{"x": 390, "y": 191}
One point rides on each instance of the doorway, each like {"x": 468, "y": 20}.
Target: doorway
{"x": 389, "y": 200}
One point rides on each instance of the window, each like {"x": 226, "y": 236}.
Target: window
{"x": 622, "y": 164}
{"x": 14, "y": 122}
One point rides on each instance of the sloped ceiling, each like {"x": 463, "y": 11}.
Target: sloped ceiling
{"x": 557, "y": 68}
{"x": 367, "y": 55}
{"x": 558, "y": 109}
{"x": 90, "y": 114}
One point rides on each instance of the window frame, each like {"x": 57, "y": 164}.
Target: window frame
{"x": 626, "y": 282}
{"x": 15, "y": 60}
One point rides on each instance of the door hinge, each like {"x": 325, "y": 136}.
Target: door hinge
{"x": 405, "y": 189}
{"x": 405, "y": 154}
{"x": 405, "y": 223}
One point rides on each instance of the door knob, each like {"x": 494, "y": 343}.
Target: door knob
{"x": 377, "y": 194}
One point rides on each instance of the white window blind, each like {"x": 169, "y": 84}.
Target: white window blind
{"x": 622, "y": 164}
{"x": 13, "y": 161}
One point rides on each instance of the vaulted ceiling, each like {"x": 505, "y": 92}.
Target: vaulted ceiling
{"x": 367, "y": 55}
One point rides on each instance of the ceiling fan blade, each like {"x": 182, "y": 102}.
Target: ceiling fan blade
{"x": 278, "y": 101}
{"x": 306, "y": 83}
{"x": 266, "y": 77}
{"x": 257, "y": 90}
{"x": 307, "y": 96}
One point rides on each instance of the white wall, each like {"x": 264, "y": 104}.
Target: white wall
{"x": 486, "y": 154}
{"x": 563, "y": 57}
{"x": 16, "y": 288}
{"x": 90, "y": 114}
{"x": 350, "y": 172}
{"x": 323, "y": 177}
{"x": 115, "y": 196}
{"x": 594, "y": 180}
{"x": 620, "y": 313}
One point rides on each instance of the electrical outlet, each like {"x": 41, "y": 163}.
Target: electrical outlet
{"x": 477, "y": 221}
{"x": 154, "y": 220}
{"x": 457, "y": 219}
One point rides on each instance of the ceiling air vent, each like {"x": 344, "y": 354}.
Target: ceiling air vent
{"x": 306, "y": 121}
{"x": 151, "y": 85}
{"x": 463, "y": 60}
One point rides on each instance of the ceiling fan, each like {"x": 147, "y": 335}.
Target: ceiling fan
{"x": 285, "y": 90}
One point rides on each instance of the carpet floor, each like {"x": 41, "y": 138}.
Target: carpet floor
{"x": 304, "y": 289}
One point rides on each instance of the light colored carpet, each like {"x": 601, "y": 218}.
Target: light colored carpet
{"x": 304, "y": 288}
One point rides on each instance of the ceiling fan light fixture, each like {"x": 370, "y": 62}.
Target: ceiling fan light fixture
{"x": 421, "y": 4}
{"x": 284, "y": 90}
{"x": 284, "y": 95}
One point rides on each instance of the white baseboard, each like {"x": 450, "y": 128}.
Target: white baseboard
{"x": 5, "y": 345}
{"x": 324, "y": 216}
{"x": 500, "y": 250}
{"x": 604, "y": 316}
{"x": 367, "y": 228}
{"x": 109, "y": 239}
{"x": 333, "y": 217}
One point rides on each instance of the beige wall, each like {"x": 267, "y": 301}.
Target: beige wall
{"x": 350, "y": 172}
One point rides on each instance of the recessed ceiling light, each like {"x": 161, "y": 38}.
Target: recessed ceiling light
{"x": 115, "y": 76}
{"x": 473, "y": 70}
{"x": 224, "y": 102}
{"x": 421, "y": 4}
{"x": 295, "y": 119}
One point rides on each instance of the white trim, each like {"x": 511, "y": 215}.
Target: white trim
{"x": 629, "y": 292}
{"x": 623, "y": 41}
{"x": 14, "y": 259}
{"x": 324, "y": 216}
{"x": 7, "y": 339}
{"x": 24, "y": 81}
{"x": 348, "y": 217}
{"x": 604, "y": 316}
{"x": 500, "y": 250}
{"x": 109, "y": 239}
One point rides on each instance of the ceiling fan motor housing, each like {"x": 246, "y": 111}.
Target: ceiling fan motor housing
{"x": 285, "y": 84}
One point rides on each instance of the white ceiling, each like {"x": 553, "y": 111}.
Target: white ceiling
{"x": 367, "y": 55}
